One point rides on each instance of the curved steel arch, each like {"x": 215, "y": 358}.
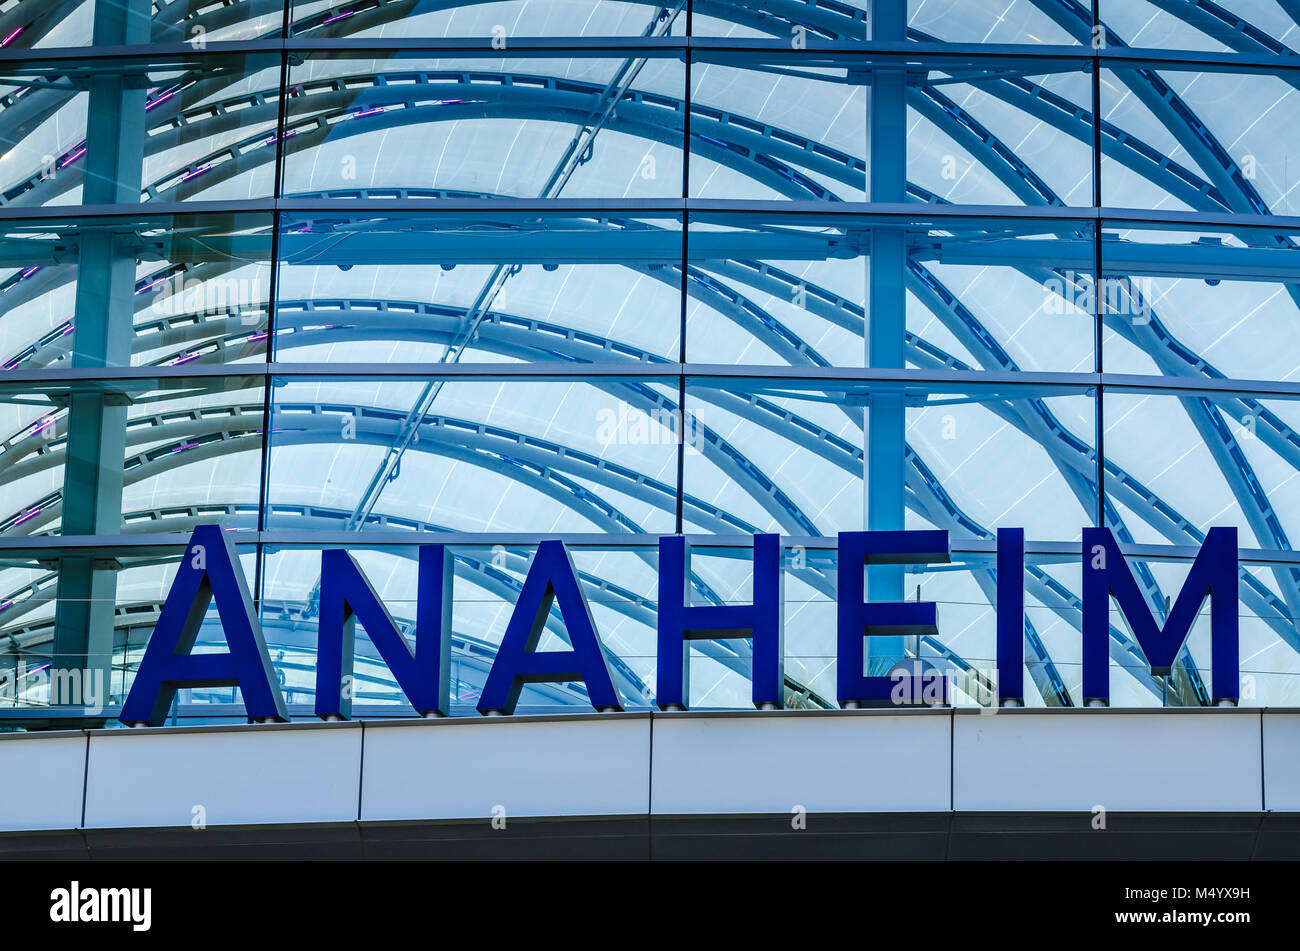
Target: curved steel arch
{"x": 343, "y": 108}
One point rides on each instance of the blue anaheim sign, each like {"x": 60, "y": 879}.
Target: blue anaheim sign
{"x": 210, "y": 572}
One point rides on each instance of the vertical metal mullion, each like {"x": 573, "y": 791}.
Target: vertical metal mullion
{"x": 682, "y": 294}
{"x": 1098, "y": 357}
{"x": 1096, "y": 107}
{"x": 272, "y": 292}
{"x": 681, "y": 385}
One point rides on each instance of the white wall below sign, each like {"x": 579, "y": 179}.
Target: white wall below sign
{"x": 635, "y": 764}
{"x": 824, "y": 763}
{"x": 43, "y": 776}
{"x": 1132, "y": 762}
{"x": 235, "y": 776}
{"x": 522, "y": 766}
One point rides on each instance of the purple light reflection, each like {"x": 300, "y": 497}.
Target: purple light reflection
{"x": 30, "y": 515}
{"x": 72, "y": 156}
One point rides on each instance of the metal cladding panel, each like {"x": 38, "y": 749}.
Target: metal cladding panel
{"x": 763, "y": 763}
{"x": 1157, "y": 762}
{"x": 158, "y": 778}
{"x": 1282, "y": 762}
{"x": 670, "y": 764}
{"x": 46, "y": 781}
{"x": 454, "y": 769}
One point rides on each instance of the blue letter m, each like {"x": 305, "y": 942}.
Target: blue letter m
{"x": 1213, "y": 575}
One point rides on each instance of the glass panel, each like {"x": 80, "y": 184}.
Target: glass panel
{"x": 944, "y": 21}
{"x": 1199, "y": 141}
{"x": 496, "y": 287}
{"x": 498, "y": 22}
{"x": 1008, "y": 21}
{"x": 54, "y": 25}
{"x": 982, "y": 132}
{"x": 1181, "y": 462}
{"x": 799, "y": 23}
{"x": 1194, "y": 301}
{"x": 980, "y": 294}
{"x": 41, "y": 667}
{"x": 199, "y": 24}
{"x": 790, "y": 457}
{"x": 156, "y": 291}
{"x": 1247, "y": 26}
{"x": 208, "y": 130}
{"x": 1270, "y": 648}
{"x": 418, "y": 126}
{"x": 130, "y": 456}
{"x": 472, "y": 455}
{"x": 777, "y": 127}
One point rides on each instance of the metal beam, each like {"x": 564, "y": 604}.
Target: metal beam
{"x": 96, "y": 429}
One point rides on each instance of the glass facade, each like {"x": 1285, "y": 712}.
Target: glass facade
{"x": 375, "y": 273}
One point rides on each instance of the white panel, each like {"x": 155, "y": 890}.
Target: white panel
{"x": 463, "y": 769}
{"x": 294, "y": 774}
{"x": 826, "y": 763}
{"x": 1282, "y": 762}
{"x": 42, "y": 781}
{"x": 1160, "y": 762}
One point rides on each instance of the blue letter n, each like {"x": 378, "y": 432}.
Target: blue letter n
{"x": 347, "y": 597}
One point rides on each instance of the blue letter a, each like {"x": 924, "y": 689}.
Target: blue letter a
{"x": 208, "y": 571}
{"x": 551, "y": 578}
